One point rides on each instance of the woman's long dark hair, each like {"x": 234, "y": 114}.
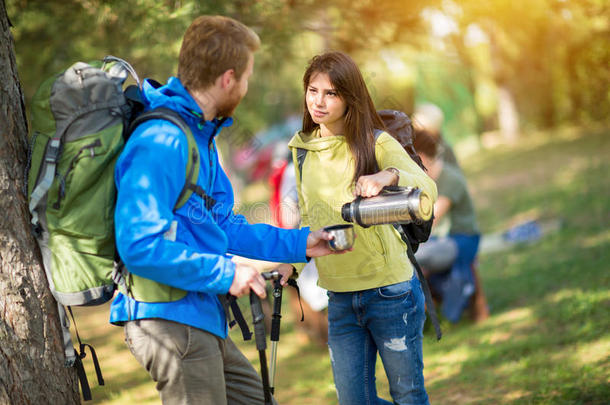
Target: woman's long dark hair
{"x": 361, "y": 119}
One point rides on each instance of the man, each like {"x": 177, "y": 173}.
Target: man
{"x": 175, "y": 325}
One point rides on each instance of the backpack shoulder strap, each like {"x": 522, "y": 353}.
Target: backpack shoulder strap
{"x": 430, "y": 307}
{"x": 192, "y": 165}
{"x": 410, "y": 253}
{"x": 301, "y": 154}
{"x": 50, "y": 161}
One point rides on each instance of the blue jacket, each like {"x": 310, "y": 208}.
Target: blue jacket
{"x": 149, "y": 176}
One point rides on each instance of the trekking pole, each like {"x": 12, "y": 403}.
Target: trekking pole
{"x": 261, "y": 343}
{"x": 275, "y": 323}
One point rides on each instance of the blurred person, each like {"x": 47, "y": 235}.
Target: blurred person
{"x": 181, "y": 257}
{"x": 314, "y": 299}
{"x": 429, "y": 118}
{"x": 449, "y": 260}
{"x": 279, "y": 169}
{"x": 311, "y": 300}
{"x": 376, "y": 304}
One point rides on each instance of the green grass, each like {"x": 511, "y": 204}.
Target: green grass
{"x": 548, "y": 338}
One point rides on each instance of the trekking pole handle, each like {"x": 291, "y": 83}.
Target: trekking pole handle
{"x": 277, "y": 311}
{"x": 271, "y": 275}
{"x": 257, "y": 319}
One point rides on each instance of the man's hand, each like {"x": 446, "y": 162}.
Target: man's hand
{"x": 247, "y": 278}
{"x": 286, "y": 271}
{"x": 317, "y": 244}
{"x": 371, "y": 185}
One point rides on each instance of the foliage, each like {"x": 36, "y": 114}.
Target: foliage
{"x": 552, "y": 80}
{"x": 50, "y": 35}
{"x": 553, "y": 54}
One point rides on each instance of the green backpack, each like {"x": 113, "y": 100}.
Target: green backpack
{"x": 80, "y": 122}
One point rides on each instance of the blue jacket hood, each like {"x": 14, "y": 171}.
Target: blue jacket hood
{"x": 176, "y": 97}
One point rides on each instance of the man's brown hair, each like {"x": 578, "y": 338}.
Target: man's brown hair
{"x": 211, "y": 46}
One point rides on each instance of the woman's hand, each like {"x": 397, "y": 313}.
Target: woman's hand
{"x": 371, "y": 185}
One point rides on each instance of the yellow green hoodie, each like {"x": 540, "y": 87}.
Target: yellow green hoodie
{"x": 379, "y": 257}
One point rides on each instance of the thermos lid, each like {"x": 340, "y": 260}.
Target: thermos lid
{"x": 426, "y": 206}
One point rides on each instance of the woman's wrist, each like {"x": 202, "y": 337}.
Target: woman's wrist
{"x": 394, "y": 171}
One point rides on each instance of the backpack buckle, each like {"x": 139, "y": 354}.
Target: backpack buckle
{"x": 52, "y": 154}
{"x": 36, "y": 229}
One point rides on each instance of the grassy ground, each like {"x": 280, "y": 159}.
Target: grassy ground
{"x": 548, "y": 338}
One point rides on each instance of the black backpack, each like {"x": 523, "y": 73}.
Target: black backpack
{"x": 399, "y": 125}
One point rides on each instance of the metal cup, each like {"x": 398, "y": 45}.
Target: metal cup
{"x": 343, "y": 236}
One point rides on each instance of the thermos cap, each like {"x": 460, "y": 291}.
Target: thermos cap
{"x": 426, "y": 206}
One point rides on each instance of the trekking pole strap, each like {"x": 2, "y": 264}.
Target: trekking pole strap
{"x": 229, "y": 303}
{"x": 293, "y": 283}
{"x": 239, "y": 318}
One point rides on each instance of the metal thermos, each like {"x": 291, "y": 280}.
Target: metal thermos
{"x": 393, "y": 205}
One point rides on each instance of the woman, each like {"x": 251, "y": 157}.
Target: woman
{"x": 375, "y": 302}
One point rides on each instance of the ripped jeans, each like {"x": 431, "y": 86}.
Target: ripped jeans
{"x": 388, "y": 320}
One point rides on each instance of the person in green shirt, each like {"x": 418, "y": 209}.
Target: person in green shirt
{"x": 376, "y": 304}
{"x": 429, "y": 117}
{"x": 449, "y": 259}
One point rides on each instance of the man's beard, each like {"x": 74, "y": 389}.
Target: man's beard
{"x": 229, "y": 105}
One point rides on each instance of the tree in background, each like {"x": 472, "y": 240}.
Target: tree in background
{"x": 51, "y": 34}
{"x": 549, "y": 59}
{"x": 31, "y": 356}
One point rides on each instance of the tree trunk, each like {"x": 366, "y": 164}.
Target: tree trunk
{"x": 508, "y": 116}
{"x": 31, "y": 356}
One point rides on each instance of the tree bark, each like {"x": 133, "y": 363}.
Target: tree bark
{"x": 32, "y": 367}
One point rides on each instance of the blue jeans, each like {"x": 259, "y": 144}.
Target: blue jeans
{"x": 388, "y": 320}
{"x": 457, "y": 285}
